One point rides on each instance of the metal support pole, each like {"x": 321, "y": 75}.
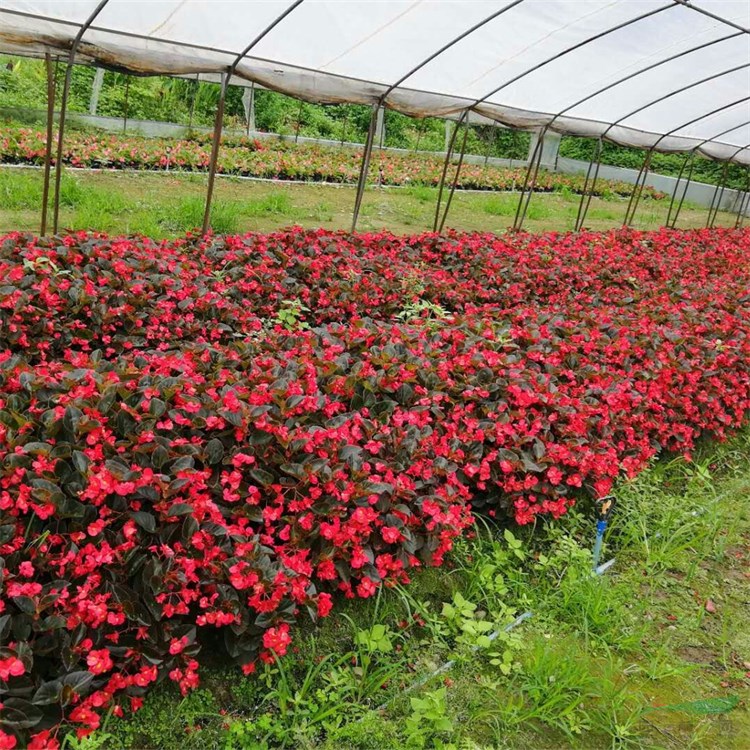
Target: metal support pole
{"x": 96, "y": 90}
{"x": 743, "y": 203}
{"x": 455, "y": 178}
{"x": 640, "y": 182}
{"x": 63, "y": 108}
{"x": 380, "y": 128}
{"x": 226, "y": 77}
{"x": 48, "y": 147}
{"x": 364, "y": 167}
{"x": 586, "y": 193}
{"x": 529, "y": 181}
{"x": 713, "y": 209}
{"x": 448, "y": 155}
{"x": 250, "y": 114}
{"x": 299, "y": 117}
{"x": 490, "y": 143}
{"x": 343, "y": 126}
{"x": 126, "y": 105}
{"x": 420, "y": 131}
{"x": 689, "y": 161}
{"x": 192, "y": 101}
{"x": 684, "y": 193}
{"x": 218, "y": 124}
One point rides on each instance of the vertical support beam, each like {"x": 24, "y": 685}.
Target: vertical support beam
{"x": 490, "y": 142}
{"x": 96, "y": 89}
{"x": 420, "y": 130}
{"x": 684, "y": 194}
{"x": 713, "y": 209}
{"x": 48, "y": 147}
{"x": 343, "y": 126}
{"x": 380, "y": 127}
{"x": 640, "y": 182}
{"x": 689, "y": 160}
{"x": 448, "y": 138}
{"x": 455, "y": 177}
{"x": 535, "y": 160}
{"x": 218, "y": 124}
{"x": 744, "y": 203}
{"x": 446, "y": 162}
{"x": 586, "y": 192}
{"x": 248, "y": 102}
{"x": 192, "y": 100}
{"x": 364, "y": 167}
{"x": 299, "y": 119}
{"x": 63, "y": 108}
{"x": 127, "y": 104}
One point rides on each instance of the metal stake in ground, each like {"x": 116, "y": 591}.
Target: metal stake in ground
{"x": 446, "y": 162}
{"x": 63, "y": 108}
{"x": 640, "y": 182}
{"x": 48, "y": 145}
{"x": 713, "y": 209}
{"x": 689, "y": 160}
{"x": 218, "y": 124}
{"x": 125, "y": 107}
{"x": 220, "y": 115}
{"x": 364, "y": 166}
{"x": 534, "y": 162}
{"x": 744, "y": 202}
{"x": 455, "y": 177}
{"x": 588, "y": 193}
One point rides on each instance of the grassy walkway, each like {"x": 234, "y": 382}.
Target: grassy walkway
{"x": 163, "y": 205}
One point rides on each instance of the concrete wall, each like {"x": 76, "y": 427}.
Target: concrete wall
{"x": 698, "y": 193}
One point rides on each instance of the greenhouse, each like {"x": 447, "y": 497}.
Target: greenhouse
{"x": 374, "y": 374}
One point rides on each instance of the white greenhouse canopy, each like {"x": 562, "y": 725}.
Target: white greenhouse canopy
{"x": 672, "y": 75}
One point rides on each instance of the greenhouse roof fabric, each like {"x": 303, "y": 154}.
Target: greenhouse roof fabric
{"x": 669, "y": 74}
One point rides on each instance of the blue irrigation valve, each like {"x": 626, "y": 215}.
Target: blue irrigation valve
{"x": 606, "y": 504}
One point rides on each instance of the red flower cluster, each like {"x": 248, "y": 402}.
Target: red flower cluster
{"x": 218, "y": 433}
{"x": 280, "y": 160}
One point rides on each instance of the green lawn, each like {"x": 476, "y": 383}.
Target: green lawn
{"x": 653, "y": 654}
{"x": 167, "y": 204}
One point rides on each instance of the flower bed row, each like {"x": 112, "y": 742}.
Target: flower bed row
{"x": 202, "y": 440}
{"x": 280, "y": 160}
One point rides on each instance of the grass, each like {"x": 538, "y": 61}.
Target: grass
{"x": 633, "y": 658}
{"x": 168, "y": 204}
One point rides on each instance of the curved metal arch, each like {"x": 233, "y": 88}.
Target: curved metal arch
{"x": 539, "y": 65}
{"x": 574, "y": 47}
{"x": 714, "y": 16}
{"x": 587, "y": 198}
{"x": 638, "y": 189}
{"x": 520, "y": 213}
{"x": 64, "y": 106}
{"x": 366, "y": 155}
{"x": 689, "y": 161}
{"x": 219, "y": 119}
{"x": 641, "y": 71}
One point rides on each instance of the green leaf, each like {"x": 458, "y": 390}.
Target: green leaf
{"x": 703, "y": 707}
{"x": 145, "y": 520}
{"x": 262, "y": 477}
{"x": 214, "y": 451}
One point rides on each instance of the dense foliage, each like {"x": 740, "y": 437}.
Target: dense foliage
{"x": 23, "y": 95}
{"x": 280, "y": 160}
{"x": 203, "y": 439}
